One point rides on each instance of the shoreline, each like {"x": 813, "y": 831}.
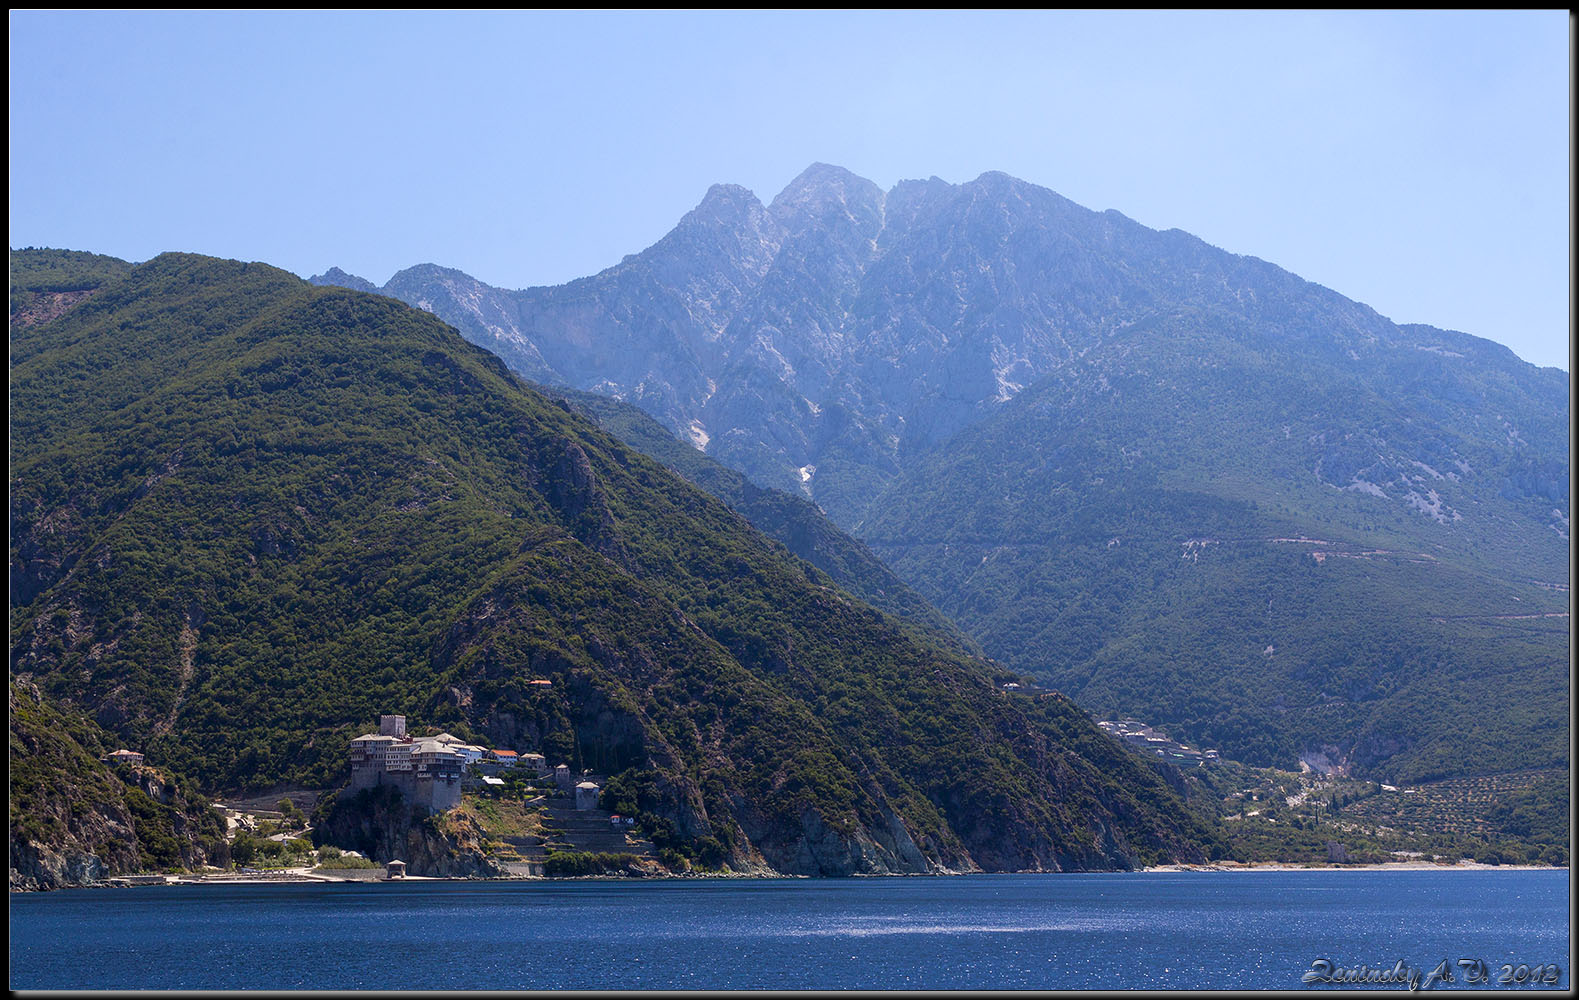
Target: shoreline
{"x": 1387, "y": 866}
{"x": 306, "y": 876}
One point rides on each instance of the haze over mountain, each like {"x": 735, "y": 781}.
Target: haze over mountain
{"x": 1174, "y": 481}
{"x": 250, "y": 515}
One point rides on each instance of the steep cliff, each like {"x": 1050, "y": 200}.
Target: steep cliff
{"x": 382, "y": 825}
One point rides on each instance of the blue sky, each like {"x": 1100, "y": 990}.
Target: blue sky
{"x": 1416, "y": 162}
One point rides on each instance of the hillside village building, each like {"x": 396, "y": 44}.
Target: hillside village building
{"x": 428, "y": 770}
{"x": 1149, "y": 741}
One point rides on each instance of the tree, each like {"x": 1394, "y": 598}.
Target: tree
{"x": 244, "y": 848}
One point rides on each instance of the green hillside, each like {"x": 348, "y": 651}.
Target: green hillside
{"x": 249, "y": 515}
{"x": 1270, "y": 556}
{"x": 45, "y": 283}
{"x": 793, "y": 520}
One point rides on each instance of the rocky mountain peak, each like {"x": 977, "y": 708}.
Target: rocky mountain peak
{"x": 729, "y": 220}
{"x": 822, "y": 190}
{"x": 998, "y": 180}
{"x": 337, "y": 277}
{"x": 427, "y": 272}
{"x": 725, "y": 203}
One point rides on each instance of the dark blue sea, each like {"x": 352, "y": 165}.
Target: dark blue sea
{"x": 1192, "y": 930}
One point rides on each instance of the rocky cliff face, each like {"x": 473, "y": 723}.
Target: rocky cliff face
{"x": 815, "y": 848}
{"x": 382, "y": 825}
{"x": 76, "y": 821}
{"x": 36, "y": 866}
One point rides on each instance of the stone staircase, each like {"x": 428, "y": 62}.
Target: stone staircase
{"x": 566, "y": 828}
{"x": 589, "y": 830}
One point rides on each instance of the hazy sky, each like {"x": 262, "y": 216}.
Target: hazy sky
{"x": 1416, "y": 162}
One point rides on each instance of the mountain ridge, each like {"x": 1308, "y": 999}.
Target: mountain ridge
{"x": 761, "y": 347}
{"x": 892, "y": 333}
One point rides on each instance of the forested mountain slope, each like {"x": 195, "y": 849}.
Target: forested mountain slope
{"x": 249, "y": 515}
{"x": 789, "y": 518}
{"x": 1333, "y": 578}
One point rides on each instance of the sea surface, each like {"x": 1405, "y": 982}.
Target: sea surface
{"x": 1150, "y": 930}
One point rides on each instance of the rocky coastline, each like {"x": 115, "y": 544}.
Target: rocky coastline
{"x": 317, "y": 876}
